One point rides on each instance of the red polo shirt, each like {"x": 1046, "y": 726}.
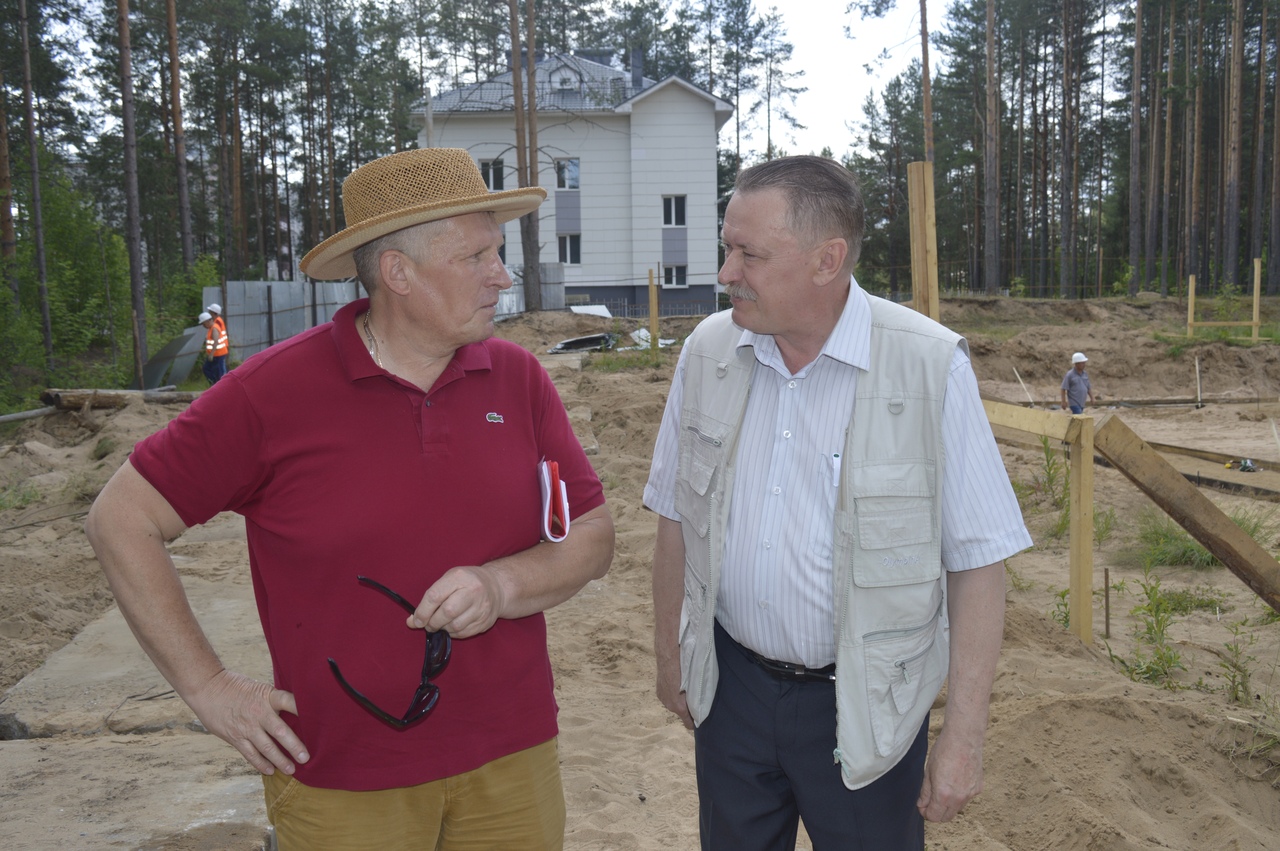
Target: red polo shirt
{"x": 340, "y": 469}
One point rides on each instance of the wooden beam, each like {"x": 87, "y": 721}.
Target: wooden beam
{"x": 1189, "y": 508}
{"x": 1054, "y": 425}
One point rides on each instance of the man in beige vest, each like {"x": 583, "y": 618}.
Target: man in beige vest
{"x": 833, "y": 516}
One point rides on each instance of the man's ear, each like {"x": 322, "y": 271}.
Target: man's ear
{"x": 831, "y": 257}
{"x": 393, "y": 267}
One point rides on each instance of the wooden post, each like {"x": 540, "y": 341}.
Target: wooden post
{"x": 924, "y": 239}
{"x": 653, "y": 312}
{"x": 1076, "y": 431}
{"x": 1191, "y": 305}
{"x": 1080, "y": 595}
{"x": 1257, "y": 296}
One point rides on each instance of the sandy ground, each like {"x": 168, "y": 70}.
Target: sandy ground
{"x": 1079, "y": 756}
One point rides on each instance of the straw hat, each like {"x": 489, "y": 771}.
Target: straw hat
{"x": 411, "y": 188}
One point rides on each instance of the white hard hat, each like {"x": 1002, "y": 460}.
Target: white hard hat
{"x": 204, "y": 317}
{"x": 1078, "y": 357}
{"x": 214, "y": 308}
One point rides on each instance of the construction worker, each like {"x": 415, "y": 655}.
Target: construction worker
{"x": 216, "y": 347}
{"x": 215, "y": 310}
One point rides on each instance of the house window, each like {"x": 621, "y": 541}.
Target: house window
{"x": 567, "y": 173}
{"x": 675, "y": 276}
{"x": 491, "y": 171}
{"x": 673, "y": 210}
{"x": 571, "y": 248}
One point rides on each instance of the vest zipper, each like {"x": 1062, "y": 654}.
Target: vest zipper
{"x": 704, "y": 437}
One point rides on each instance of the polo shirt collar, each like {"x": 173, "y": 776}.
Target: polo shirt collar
{"x": 848, "y": 343}
{"x": 359, "y": 364}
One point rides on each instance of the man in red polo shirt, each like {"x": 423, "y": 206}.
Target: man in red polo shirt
{"x": 387, "y": 466}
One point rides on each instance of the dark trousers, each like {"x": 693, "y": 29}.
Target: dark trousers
{"x": 214, "y": 368}
{"x": 765, "y": 759}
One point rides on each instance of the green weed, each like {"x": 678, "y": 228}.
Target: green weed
{"x": 1155, "y": 659}
{"x": 1104, "y": 524}
{"x": 1062, "y": 608}
{"x": 1016, "y": 579}
{"x": 18, "y": 496}
{"x": 104, "y": 447}
{"x": 633, "y": 359}
{"x": 1235, "y": 665}
{"x": 1163, "y": 541}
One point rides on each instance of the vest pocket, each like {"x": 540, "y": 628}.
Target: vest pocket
{"x": 701, "y": 452}
{"x": 902, "y": 668}
{"x": 894, "y": 524}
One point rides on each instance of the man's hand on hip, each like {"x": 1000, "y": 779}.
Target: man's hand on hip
{"x": 245, "y": 713}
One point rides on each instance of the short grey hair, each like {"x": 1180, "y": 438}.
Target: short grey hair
{"x": 823, "y": 198}
{"x": 408, "y": 241}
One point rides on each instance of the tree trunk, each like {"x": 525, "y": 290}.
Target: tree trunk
{"x": 37, "y": 210}
{"x": 179, "y": 140}
{"x": 1135, "y": 158}
{"x": 1231, "y": 203}
{"x": 924, "y": 82}
{"x": 990, "y": 175}
{"x": 1167, "y": 181}
{"x": 8, "y": 234}
{"x": 1154, "y": 200}
{"x": 1019, "y": 216}
{"x": 1259, "y": 144}
{"x": 1273, "y": 255}
{"x": 1197, "y": 144}
{"x": 133, "y": 235}
{"x": 1066, "y": 227}
{"x": 331, "y": 178}
{"x": 530, "y": 245}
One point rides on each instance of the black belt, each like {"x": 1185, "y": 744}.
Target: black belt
{"x": 792, "y": 671}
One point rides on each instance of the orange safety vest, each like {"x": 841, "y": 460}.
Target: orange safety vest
{"x": 215, "y": 341}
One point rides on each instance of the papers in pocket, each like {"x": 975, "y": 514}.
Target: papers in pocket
{"x": 555, "y": 502}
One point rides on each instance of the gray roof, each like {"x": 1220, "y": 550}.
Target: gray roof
{"x": 565, "y": 82}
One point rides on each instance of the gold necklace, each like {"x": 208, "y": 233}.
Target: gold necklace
{"x": 373, "y": 341}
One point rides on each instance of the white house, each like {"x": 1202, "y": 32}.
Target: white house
{"x": 629, "y": 165}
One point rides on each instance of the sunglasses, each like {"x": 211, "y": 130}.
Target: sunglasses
{"x": 439, "y": 648}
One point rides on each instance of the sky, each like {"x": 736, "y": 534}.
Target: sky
{"x": 833, "y": 66}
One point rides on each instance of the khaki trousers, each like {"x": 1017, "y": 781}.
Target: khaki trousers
{"x": 514, "y": 802}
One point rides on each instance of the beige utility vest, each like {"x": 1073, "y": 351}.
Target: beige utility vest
{"x": 887, "y": 578}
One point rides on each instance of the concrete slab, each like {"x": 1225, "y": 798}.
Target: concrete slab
{"x": 102, "y": 681}
{"x": 94, "y": 738}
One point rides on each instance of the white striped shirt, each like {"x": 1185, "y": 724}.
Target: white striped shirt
{"x": 775, "y": 588}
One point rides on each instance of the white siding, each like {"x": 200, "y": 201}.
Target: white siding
{"x": 673, "y": 152}
{"x": 665, "y": 145}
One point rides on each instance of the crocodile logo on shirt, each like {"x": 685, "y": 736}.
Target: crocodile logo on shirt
{"x": 493, "y": 418}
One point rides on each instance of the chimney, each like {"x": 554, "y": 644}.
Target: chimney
{"x": 637, "y": 70}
